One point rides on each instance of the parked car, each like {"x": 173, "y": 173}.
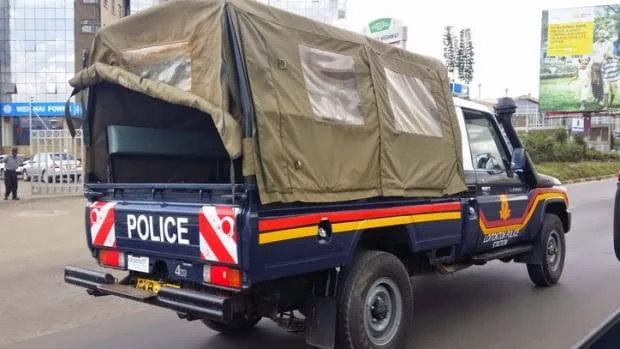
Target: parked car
{"x": 23, "y": 169}
{"x": 53, "y": 167}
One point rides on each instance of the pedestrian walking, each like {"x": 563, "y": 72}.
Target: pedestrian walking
{"x": 11, "y": 163}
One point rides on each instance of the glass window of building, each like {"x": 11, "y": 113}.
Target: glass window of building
{"x": 139, "y": 5}
{"x": 89, "y": 26}
{"x": 36, "y": 57}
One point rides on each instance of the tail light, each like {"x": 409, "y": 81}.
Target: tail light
{"x": 221, "y": 276}
{"x": 112, "y": 258}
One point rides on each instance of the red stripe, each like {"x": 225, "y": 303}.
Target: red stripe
{"x": 213, "y": 240}
{"x": 106, "y": 227}
{"x": 353, "y": 215}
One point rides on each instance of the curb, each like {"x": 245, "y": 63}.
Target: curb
{"x": 587, "y": 179}
{"x": 47, "y": 197}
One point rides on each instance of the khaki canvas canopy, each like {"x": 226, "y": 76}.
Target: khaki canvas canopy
{"x": 337, "y": 115}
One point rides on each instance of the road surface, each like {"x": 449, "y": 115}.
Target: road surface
{"x": 494, "y": 306}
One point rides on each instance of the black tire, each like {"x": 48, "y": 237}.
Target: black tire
{"x": 355, "y": 321}
{"x": 239, "y": 325}
{"x": 552, "y": 245}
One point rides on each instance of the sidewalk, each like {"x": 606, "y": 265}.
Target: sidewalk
{"x": 24, "y": 192}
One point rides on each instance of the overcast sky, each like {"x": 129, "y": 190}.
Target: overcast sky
{"x": 506, "y": 34}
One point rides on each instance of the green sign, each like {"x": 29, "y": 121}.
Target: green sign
{"x": 380, "y": 24}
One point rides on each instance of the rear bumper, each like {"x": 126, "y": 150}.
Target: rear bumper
{"x": 188, "y": 302}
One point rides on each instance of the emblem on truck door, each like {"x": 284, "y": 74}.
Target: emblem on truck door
{"x": 504, "y": 210}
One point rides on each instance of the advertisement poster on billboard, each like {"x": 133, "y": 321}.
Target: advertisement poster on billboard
{"x": 388, "y": 30}
{"x": 580, "y": 59}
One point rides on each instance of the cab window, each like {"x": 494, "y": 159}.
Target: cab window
{"x": 487, "y": 151}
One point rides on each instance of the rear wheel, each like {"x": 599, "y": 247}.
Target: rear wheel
{"x": 553, "y": 247}
{"x": 375, "y": 303}
{"x": 238, "y": 325}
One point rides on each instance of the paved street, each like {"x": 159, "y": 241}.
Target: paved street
{"x": 495, "y": 306}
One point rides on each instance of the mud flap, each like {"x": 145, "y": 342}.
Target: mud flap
{"x": 321, "y": 317}
{"x": 320, "y": 327}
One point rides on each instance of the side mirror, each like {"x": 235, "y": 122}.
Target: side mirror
{"x": 518, "y": 159}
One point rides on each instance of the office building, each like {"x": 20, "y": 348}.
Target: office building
{"x": 327, "y": 11}
{"x": 36, "y": 60}
{"x": 90, "y": 16}
{"x": 139, "y": 5}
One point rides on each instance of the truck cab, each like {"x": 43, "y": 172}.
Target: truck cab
{"x": 306, "y": 183}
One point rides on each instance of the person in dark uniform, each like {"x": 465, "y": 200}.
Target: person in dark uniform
{"x": 11, "y": 163}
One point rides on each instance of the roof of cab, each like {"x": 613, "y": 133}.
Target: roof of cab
{"x": 464, "y": 103}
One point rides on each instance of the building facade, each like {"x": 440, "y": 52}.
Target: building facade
{"x": 327, "y": 11}
{"x": 90, "y": 17}
{"x": 139, "y": 5}
{"x": 36, "y": 60}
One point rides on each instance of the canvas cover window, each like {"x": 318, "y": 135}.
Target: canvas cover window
{"x": 331, "y": 85}
{"x": 413, "y": 106}
{"x": 168, "y": 63}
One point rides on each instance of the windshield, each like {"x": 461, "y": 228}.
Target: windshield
{"x": 62, "y": 157}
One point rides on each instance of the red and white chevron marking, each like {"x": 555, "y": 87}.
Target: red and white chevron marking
{"x": 218, "y": 234}
{"x": 102, "y": 232}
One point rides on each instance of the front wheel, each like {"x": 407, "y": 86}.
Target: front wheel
{"x": 548, "y": 270}
{"x": 375, "y": 303}
{"x": 238, "y": 325}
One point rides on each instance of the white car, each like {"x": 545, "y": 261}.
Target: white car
{"x": 23, "y": 168}
{"x": 2, "y": 157}
{"x": 53, "y": 167}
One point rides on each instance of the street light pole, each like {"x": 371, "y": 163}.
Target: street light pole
{"x": 30, "y": 122}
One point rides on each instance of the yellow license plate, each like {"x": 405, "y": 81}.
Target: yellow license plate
{"x": 152, "y": 285}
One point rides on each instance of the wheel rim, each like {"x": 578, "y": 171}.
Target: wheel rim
{"x": 382, "y": 311}
{"x": 554, "y": 253}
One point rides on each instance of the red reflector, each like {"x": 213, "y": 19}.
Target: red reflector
{"x": 225, "y": 276}
{"x": 112, "y": 258}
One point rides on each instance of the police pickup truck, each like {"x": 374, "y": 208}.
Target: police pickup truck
{"x": 256, "y": 164}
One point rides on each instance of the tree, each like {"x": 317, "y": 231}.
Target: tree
{"x": 449, "y": 49}
{"x": 458, "y": 53}
{"x": 461, "y": 58}
{"x": 465, "y": 59}
{"x": 468, "y": 74}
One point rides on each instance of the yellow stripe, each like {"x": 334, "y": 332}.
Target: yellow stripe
{"x": 539, "y": 198}
{"x": 297, "y": 233}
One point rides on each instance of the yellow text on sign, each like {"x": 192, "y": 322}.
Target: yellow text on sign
{"x": 567, "y": 39}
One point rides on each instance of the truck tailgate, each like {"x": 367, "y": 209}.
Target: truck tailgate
{"x": 189, "y": 232}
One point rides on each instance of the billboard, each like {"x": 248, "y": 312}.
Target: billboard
{"x": 41, "y": 109}
{"x": 580, "y": 59}
{"x": 388, "y": 30}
